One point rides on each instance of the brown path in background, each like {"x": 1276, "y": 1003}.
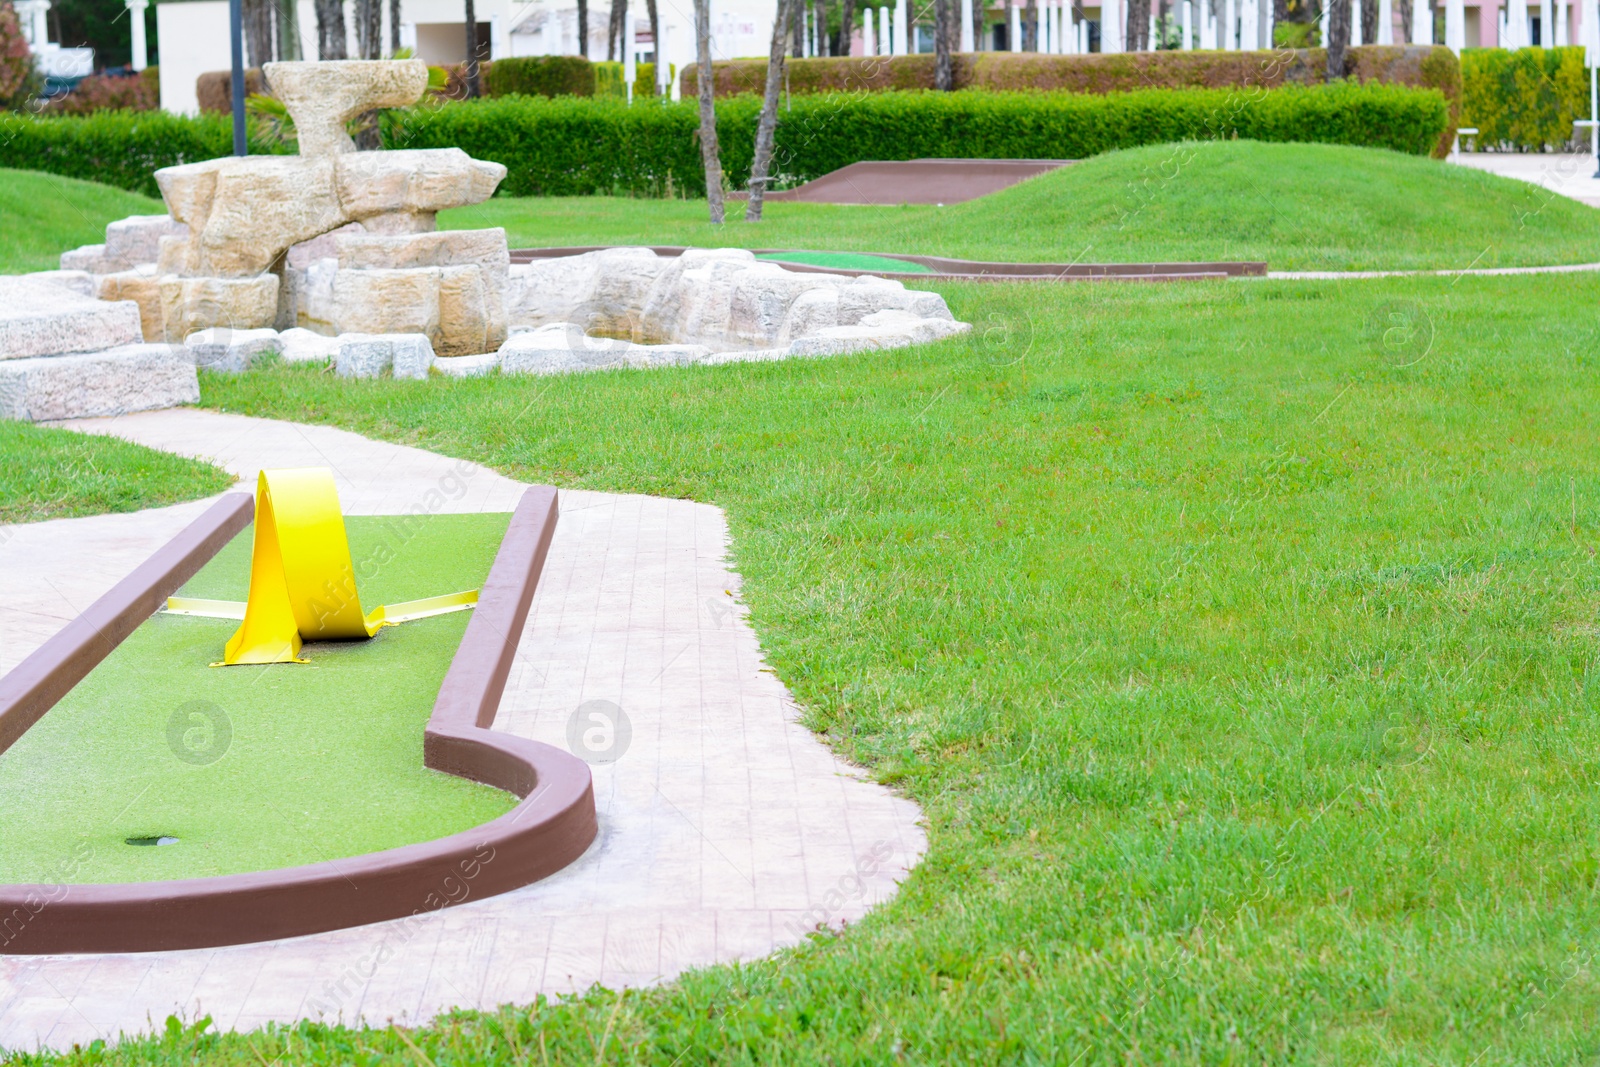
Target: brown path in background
{"x": 916, "y": 181}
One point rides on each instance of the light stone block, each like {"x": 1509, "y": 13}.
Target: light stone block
{"x": 74, "y": 281}
{"x": 137, "y": 377}
{"x": 361, "y": 356}
{"x": 189, "y": 305}
{"x": 322, "y": 96}
{"x": 304, "y": 346}
{"x": 142, "y": 285}
{"x": 387, "y": 301}
{"x": 89, "y": 258}
{"x": 413, "y": 356}
{"x": 468, "y": 366}
{"x": 231, "y": 351}
{"x": 40, "y": 318}
{"x": 136, "y": 240}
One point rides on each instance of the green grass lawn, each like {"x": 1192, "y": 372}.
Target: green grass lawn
{"x": 1238, "y": 641}
{"x": 44, "y": 215}
{"x": 258, "y": 767}
{"x": 1298, "y": 207}
{"x": 47, "y": 473}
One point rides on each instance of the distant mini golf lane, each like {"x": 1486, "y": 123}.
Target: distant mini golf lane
{"x": 253, "y": 768}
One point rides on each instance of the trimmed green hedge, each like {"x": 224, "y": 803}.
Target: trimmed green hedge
{"x": 569, "y": 147}
{"x": 539, "y": 76}
{"x": 1524, "y": 99}
{"x": 121, "y": 148}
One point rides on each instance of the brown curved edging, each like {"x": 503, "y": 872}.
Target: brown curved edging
{"x": 551, "y": 826}
{"x": 944, "y": 269}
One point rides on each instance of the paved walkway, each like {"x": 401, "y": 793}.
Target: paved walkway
{"x": 1560, "y": 172}
{"x": 727, "y": 828}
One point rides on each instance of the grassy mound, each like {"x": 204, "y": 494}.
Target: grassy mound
{"x": 1238, "y": 640}
{"x": 46, "y": 473}
{"x": 253, "y": 768}
{"x": 1298, "y": 207}
{"x": 43, "y": 215}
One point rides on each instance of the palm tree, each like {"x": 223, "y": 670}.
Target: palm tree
{"x": 708, "y": 110}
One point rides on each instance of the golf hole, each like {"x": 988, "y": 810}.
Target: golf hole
{"x": 162, "y": 839}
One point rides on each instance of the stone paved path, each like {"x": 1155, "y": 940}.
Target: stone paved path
{"x": 727, "y": 828}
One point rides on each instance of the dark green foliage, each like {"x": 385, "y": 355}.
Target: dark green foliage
{"x": 1524, "y": 99}
{"x": 571, "y": 147}
{"x": 120, "y": 148}
{"x": 539, "y": 76}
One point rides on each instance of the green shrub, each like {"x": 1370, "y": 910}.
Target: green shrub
{"x": 609, "y": 83}
{"x": 568, "y": 146}
{"x": 16, "y": 58}
{"x": 539, "y": 76}
{"x": 120, "y": 148}
{"x": 100, "y": 92}
{"x": 1524, "y": 99}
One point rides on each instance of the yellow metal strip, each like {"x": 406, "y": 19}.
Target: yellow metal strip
{"x": 411, "y": 610}
{"x": 209, "y": 609}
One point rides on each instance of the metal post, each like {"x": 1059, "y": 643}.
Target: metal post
{"x": 236, "y": 33}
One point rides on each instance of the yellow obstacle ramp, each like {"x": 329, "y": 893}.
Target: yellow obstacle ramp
{"x": 302, "y": 583}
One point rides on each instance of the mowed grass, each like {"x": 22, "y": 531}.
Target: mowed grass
{"x": 1297, "y": 207}
{"x": 43, "y": 215}
{"x": 253, "y": 767}
{"x": 1238, "y": 641}
{"x": 49, "y": 473}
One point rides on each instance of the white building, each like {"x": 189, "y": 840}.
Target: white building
{"x": 194, "y": 33}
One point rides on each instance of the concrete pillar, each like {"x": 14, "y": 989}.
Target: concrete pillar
{"x": 902, "y": 29}
{"x": 1421, "y": 22}
{"x": 1385, "y": 29}
{"x": 141, "y": 50}
{"x": 967, "y": 44}
{"x": 1455, "y": 25}
{"x": 1547, "y": 24}
{"x": 1014, "y": 29}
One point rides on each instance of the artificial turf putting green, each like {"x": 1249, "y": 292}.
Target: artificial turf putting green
{"x": 316, "y": 762}
{"x": 848, "y": 261}
{"x": 1294, "y": 206}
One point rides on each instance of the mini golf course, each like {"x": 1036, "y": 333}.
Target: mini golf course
{"x": 254, "y": 767}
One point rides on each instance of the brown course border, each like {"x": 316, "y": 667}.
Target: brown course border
{"x": 552, "y": 825}
{"x": 944, "y": 269}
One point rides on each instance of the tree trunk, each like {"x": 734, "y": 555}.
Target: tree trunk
{"x": 767, "y": 125}
{"x": 708, "y": 110}
{"x": 1139, "y": 25}
{"x": 655, "y": 36}
{"x": 847, "y": 28}
{"x": 288, "y": 22}
{"x": 257, "y": 32}
{"x": 619, "y": 11}
{"x": 394, "y": 26}
{"x": 819, "y": 10}
{"x": 583, "y": 28}
{"x": 943, "y": 77}
{"x": 1403, "y": 34}
{"x": 474, "y": 87}
{"x": 798, "y": 23}
{"x": 1338, "y": 37}
{"x": 330, "y": 30}
{"x": 369, "y": 28}
{"x": 1030, "y": 27}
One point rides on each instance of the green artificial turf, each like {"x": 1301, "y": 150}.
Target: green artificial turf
{"x": 253, "y": 767}
{"x": 43, "y": 215}
{"x": 1295, "y": 206}
{"x": 1237, "y": 639}
{"x": 48, "y": 473}
{"x": 848, "y": 261}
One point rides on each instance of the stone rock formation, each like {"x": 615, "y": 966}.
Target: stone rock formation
{"x": 222, "y": 257}
{"x": 64, "y": 355}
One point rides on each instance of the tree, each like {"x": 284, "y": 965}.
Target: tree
{"x": 474, "y": 84}
{"x": 655, "y": 37}
{"x": 767, "y": 125}
{"x": 1338, "y": 37}
{"x": 1138, "y": 37}
{"x": 1030, "y": 26}
{"x": 847, "y": 26}
{"x": 257, "y": 17}
{"x": 708, "y": 110}
{"x": 16, "y": 58}
{"x": 614, "y": 30}
{"x": 583, "y": 28}
{"x": 288, "y": 23}
{"x": 820, "y": 16}
{"x": 369, "y": 28}
{"x": 943, "y": 77}
{"x": 330, "y": 29}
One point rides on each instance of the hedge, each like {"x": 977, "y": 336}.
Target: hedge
{"x": 121, "y": 148}
{"x": 539, "y": 76}
{"x": 1524, "y": 99}
{"x": 1426, "y": 66}
{"x": 570, "y": 147}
